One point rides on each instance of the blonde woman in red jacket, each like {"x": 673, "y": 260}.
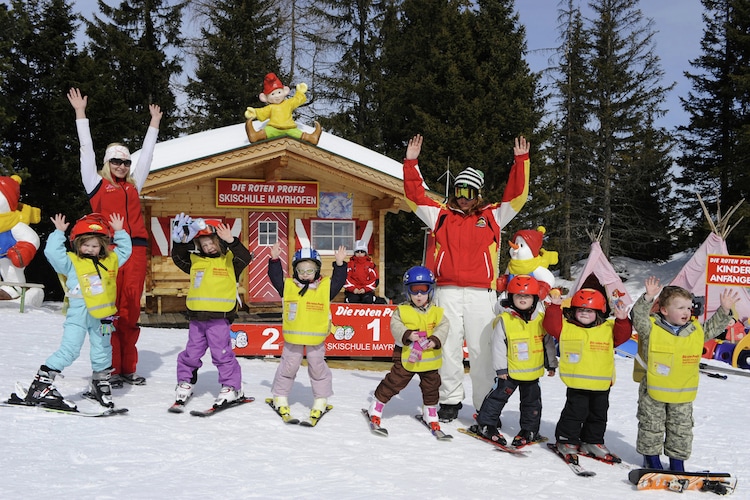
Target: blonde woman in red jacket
{"x": 116, "y": 189}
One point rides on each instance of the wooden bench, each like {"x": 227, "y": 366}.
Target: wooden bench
{"x": 23, "y": 287}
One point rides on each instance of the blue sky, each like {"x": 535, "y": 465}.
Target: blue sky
{"x": 677, "y": 23}
{"x": 678, "y": 26}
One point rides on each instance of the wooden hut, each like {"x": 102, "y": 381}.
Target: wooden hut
{"x": 281, "y": 189}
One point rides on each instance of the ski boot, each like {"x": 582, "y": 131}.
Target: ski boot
{"x": 567, "y": 449}
{"x": 376, "y": 412}
{"x": 115, "y": 381}
{"x": 133, "y": 379}
{"x": 652, "y": 462}
{"x": 525, "y": 438}
{"x": 227, "y": 395}
{"x": 430, "y": 415}
{"x": 280, "y": 405}
{"x": 491, "y": 433}
{"x": 183, "y": 392}
{"x": 599, "y": 452}
{"x": 43, "y": 392}
{"x": 448, "y": 412}
{"x": 100, "y": 390}
{"x": 676, "y": 465}
{"x": 318, "y": 409}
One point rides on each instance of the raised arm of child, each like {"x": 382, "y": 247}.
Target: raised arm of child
{"x": 59, "y": 222}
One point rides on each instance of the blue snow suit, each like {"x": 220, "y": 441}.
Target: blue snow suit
{"x": 78, "y": 321}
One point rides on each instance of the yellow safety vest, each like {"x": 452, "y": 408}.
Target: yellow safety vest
{"x": 307, "y": 318}
{"x": 673, "y": 364}
{"x": 525, "y": 342}
{"x": 587, "y": 357}
{"x": 432, "y": 359}
{"x": 99, "y": 289}
{"x": 213, "y": 285}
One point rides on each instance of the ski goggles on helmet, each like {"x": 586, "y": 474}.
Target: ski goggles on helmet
{"x": 419, "y": 289}
{"x": 465, "y": 191}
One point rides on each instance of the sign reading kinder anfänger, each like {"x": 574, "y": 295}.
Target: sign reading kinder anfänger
{"x": 728, "y": 270}
{"x": 257, "y": 193}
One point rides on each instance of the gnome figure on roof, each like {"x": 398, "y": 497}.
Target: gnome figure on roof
{"x": 18, "y": 242}
{"x": 528, "y": 257}
{"x": 278, "y": 113}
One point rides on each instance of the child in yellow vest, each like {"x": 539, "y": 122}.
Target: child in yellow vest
{"x": 306, "y": 323}
{"x": 419, "y": 329}
{"x": 214, "y": 259}
{"x": 91, "y": 278}
{"x": 667, "y": 390}
{"x": 587, "y": 367}
{"x": 521, "y": 350}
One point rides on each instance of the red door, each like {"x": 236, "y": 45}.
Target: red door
{"x": 264, "y": 228}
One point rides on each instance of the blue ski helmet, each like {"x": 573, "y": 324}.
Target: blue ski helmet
{"x": 419, "y": 275}
{"x": 304, "y": 254}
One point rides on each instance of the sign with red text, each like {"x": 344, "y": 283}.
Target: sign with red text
{"x": 359, "y": 330}
{"x": 728, "y": 270}
{"x": 251, "y": 193}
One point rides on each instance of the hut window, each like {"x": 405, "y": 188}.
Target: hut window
{"x": 268, "y": 233}
{"x": 328, "y": 235}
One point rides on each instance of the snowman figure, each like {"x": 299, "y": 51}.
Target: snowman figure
{"x": 528, "y": 257}
{"x": 18, "y": 242}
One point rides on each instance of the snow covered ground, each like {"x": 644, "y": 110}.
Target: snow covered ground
{"x": 247, "y": 452}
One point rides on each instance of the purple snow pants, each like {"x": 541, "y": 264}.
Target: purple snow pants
{"x": 210, "y": 334}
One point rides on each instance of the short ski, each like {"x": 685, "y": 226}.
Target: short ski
{"x": 15, "y": 401}
{"x": 216, "y": 409}
{"x": 314, "y": 421}
{"x": 609, "y": 459}
{"x": 374, "y": 428}
{"x": 500, "y": 447}
{"x": 572, "y": 461}
{"x": 440, "y": 435}
{"x": 539, "y": 440}
{"x": 91, "y": 397}
{"x": 721, "y": 483}
{"x": 178, "y": 406}
{"x": 286, "y": 418}
{"x": 721, "y": 369}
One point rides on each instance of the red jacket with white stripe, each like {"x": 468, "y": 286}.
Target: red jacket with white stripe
{"x": 467, "y": 245}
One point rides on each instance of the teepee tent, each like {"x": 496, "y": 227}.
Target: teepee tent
{"x": 693, "y": 274}
{"x": 599, "y": 267}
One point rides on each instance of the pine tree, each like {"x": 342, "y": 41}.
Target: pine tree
{"x": 715, "y": 147}
{"x": 454, "y": 72}
{"x": 6, "y": 51}
{"x": 133, "y": 69}
{"x": 38, "y": 139}
{"x": 625, "y": 94}
{"x": 238, "y": 46}
{"x": 349, "y": 87}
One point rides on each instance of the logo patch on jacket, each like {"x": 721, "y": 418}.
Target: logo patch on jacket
{"x": 481, "y": 222}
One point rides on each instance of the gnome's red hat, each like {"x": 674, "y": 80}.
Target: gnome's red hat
{"x": 10, "y": 187}
{"x": 271, "y": 82}
{"x": 532, "y": 237}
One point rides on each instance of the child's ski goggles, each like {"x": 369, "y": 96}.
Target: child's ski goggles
{"x": 419, "y": 289}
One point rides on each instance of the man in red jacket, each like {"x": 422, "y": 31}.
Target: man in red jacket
{"x": 467, "y": 239}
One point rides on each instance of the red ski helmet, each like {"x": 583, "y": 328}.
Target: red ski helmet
{"x": 589, "y": 299}
{"x": 209, "y": 227}
{"x": 523, "y": 284}
{"x": 91, "y": 224}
